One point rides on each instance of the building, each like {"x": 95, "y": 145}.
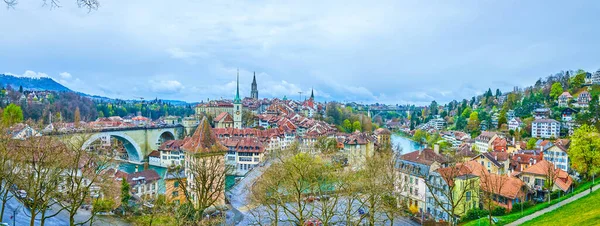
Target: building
{"x": 563, "y": 99}
{"x": 223, "y": 120}
{"x": 203, "y": 149}
{"x": 384, "y": 137}
{"x": 523, "y": 159}
{"x": 413, "y": 168}
{"x": 254, "y": 92}
{"x": 237, "y": 106}
{"x": 243, "y": 153}
{"x": 584, "y": 98}
{"x": 557, "y": 154}
{"x": 535, "y": 178}
{"x": 484, "y": 141}
{"x": 494, "y": 162}
{"x": 144, "y": 184}
{"x": 541, "y": 113}
{"x": 168, "y": 154}
{"x": 502, "y": 190}
{"x": 22, "y": 131}
{"x": 174, "y": 192}
{"x": 458, "y": 182}
{"x": 515, "y": 124}
{"x": 545, "y": 128}
{"x": 568, "y": 114}
{"x": 438, "y": 123}
{"x": 456, "y": 138}
{"x": 358, "y": 147}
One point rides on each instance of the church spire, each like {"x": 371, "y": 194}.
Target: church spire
{"x": 254, "y": 91}
{"x": 312, "y": 94}
{"x": 237, "y": 99}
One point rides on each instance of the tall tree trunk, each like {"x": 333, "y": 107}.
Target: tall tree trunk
{"x": 4, "y": 199}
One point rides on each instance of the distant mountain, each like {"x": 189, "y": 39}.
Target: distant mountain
{"x": 36, "y": 84}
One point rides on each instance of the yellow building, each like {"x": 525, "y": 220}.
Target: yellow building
{"x": 494, "y": 162}
{"x": 174, "y": 190}
{"x": 358, "y": 147}
{"x": 384, "y": 137}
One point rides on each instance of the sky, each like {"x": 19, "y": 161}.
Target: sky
{"x": 393, "y": 52}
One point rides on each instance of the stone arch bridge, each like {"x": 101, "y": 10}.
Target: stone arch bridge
{"x": 137, "y": 141}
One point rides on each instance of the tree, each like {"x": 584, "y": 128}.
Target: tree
{"x": 577, "y": 81}
{"x": 531, "y": 143}
{"x": 20, "y": 89}
{"x": 556, "y": 90}
{"x": 473, "y": 124}
{"x": 77, "y": 117}
{"x": 502, "y": 119}
{"x": 492, "y": 185}
{"x": 12, "y": 114}
{"x": 86, "y": 4}
{"x": 7, "y": 169}
{"x": 585, "y": 151}
{"x": 433, "y": 108}
{"x": 498, "y": 93}
{"x": 420, "y": 137}
{"x": 348, "y": 126}
{"x": 356, "y": 126}
{"x": 43, "y": 159}
{"x": 125, "y": 194}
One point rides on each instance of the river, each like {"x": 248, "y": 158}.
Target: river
{"x": 405, "y": 144}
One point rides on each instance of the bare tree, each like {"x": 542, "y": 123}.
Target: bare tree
{"x": 492, "y": 186}
{"x": 551, "y": 174}
{"x": 83, "y": 176}
{"x": 86, "y": 4}
{"x": 7, "y": 169}
{"x": 451, "y": 187}
{"x": 40, "y": 175}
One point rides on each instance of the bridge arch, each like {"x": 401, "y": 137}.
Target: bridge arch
{"x": 134, "y": 151}
{"x": 164, "y": 135}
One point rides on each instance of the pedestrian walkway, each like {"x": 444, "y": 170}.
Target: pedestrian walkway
{"x": 550, "y": 208}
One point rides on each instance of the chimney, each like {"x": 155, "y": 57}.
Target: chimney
{"x": 436, "y": 148}
{"x": 496, "y": 157}
{"x": 136, "y": 168}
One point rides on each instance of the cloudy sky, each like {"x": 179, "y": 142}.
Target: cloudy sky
{"x": 393, "y": 52}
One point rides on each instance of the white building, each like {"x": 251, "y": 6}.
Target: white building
{"x": 168, "y": 154}
{"x": 515, "y": 124}
{"x": 243, "y": 153}
{"x": 558, "y": 156}
{"x": 545, "y": 128}
{"x": 144, "y": 183}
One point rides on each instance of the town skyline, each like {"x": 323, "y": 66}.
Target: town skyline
{"x": 386, "y": 57}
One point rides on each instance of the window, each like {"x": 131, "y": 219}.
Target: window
{"x": 176, "y": 184}
{"x": 175, "y": 194}
{"x": 468, "y": 196}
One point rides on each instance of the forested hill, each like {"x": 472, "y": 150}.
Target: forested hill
{"x": 34, "y": 84}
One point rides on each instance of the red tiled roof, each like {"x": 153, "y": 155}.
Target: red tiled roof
{"x": 203, "y": 140}
{"x": 148, "y": 175}
{"x": 154, "y": 153}
{"x": 426, "y": 156}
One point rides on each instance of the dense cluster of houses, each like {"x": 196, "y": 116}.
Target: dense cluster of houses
{"x": 497, "y": 167}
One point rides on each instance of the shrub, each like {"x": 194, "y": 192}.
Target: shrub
{"x": 517, "y": 207}
{"x": 474, "y": 214}
{"x": 499, "y": 211}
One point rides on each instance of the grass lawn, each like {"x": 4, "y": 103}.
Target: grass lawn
{"x": 506, "y": 219}
{"x": 584, "y": 211}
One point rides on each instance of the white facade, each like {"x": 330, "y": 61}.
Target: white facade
{"x": 545, "y": 128}
{"x": 558, "y": 157}
{"x": 515, "y": 124}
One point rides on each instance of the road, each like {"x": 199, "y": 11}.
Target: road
{"x": 14, "y": 207}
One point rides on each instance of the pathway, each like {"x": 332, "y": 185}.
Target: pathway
{"x": 553, "y": 207}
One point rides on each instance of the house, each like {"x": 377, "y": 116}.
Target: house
{"x": 144, "y": 184}
{"x": 541, "y": 113}
{"x": 535, "y": 178}
{"x": 458, "y": 182}
{"x": 358, "y": 147}
{"x": 174, "y": 192}
{"x": 567, "y": 114}
{"x": 243, "y": 153}
{"x": 563, "y": 99}
{"x": 557, "y": 154}
{"x": 584, "y": 98}
{"x": 515, "y": 124}
{"x": 499, "y": 144}
{"x": 414, "y": 168}
{"x": 545, "y": 128}
{"x": 523, "y": 159}
{"x": 503, "y": 190}
{"x": 494, "y": 162}
{"x": 484, "y": 141}
{"x": 168, "y": 154}
{"x": 171, "y": 120}
{"x": 223, "y": 120}
{"x": 22, "y": 131}
{"x": 383, "y": 137}
{"x": 456, "y": 138}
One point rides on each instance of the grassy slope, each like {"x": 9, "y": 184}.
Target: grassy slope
{"x": 584, "y": 211}
{"x": 502, "y": 220}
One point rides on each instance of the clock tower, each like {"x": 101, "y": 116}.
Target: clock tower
{"x": 237, "y": 105}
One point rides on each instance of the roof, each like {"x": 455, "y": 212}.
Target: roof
{"x": 545, "y": 120}
{"x": 203, "y": 140}
{"x": 382, "y": 131}
{"x": 147, "y": 175}
{"x": 503, "y": 185}
{"x": 171, "y": 145}
{"x": 358, "y": 138}
{"x": 426, "y": 156}
{"x": 224, "y": 116}
{"x": 154, "y": 153}
{"x": 545, "y": 168}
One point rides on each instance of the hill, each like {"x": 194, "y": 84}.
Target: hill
{"x": 572, "y": 214}
{"x": 36, "y": 84}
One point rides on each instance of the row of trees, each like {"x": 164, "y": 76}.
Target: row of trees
{"x": 292, "y": 185}
{"x": 347, "y": 119}
{"x": 52, "y": 176}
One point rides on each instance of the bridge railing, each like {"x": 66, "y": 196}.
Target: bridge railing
{"x": 109, "y": 129}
